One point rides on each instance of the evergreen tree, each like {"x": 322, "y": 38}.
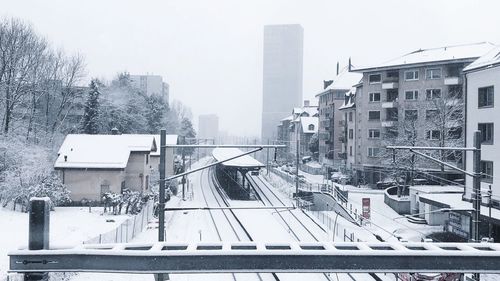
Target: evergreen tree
{"x": 187, "y": 132}
{"x": 91, "y": 110}
{"x": 156, "y": 110}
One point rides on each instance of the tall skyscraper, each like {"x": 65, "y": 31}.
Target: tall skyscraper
{"x": 282, "y": 75}
{"x": 208, "y": 126}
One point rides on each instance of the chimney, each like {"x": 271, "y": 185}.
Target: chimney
{"x": 65, "y": 158}
{"x": 115, "y": 131}
{"x": 338, "y": 66}
{"x": 327, "y": 83}
{"x": 350, "y": 65}
{"x": 306, "y": 103}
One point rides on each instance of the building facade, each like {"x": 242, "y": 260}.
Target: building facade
{"x": 348, "y": 111}
{"x": 282, "y": 75}
{"x": 403, "y": 101}
{"x": 331, "y": 122}
{"x": 208, "y": 126}
{"x": 483, "y": 82}
{"x": 151, "y": 85}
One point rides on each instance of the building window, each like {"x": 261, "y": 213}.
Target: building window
{"x": 373, "y": 151}
{"x": 411, "y": 114}
{"x": 431, "y": 114}
{"x": 147, "y": 182}
{"x": 487, "y": 171}
{"x": 431, "y": 94}
{"x": 105, "y": 188}
{"x": 311, "y": 127}
{"x": 486, "y": 132}
{"x": 350, "y": 150}
{"x": 485, "y": 96}
{"x": 411, "y": 75}
{"x": 411, "y": 95}
{"x": 374, "y": 115}
{"x": 147, "y": 159}
{"x": 433, "y": 73}
{"x": 374, "y": 78}
{"x": 351, "y": 133}
{"x": 434, "y": 135}
{"x": 350, "y": 116}
{"x": 374, "y": 97}
{"x": 373, "y": 133}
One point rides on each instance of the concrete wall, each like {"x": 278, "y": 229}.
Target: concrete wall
{"x": 86, "y": 184}
{"x": 400, "y": 205}
{"x": 475, "y": 115}
{"x": 169, "y": 164}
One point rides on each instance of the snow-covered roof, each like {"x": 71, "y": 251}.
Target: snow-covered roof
{"x": 288, "y": 118}
{"x": 311, "y": 110}
{"x": 306, "y": 121}
{"x": 245, "y": 161}
{"x": 101, "y": 151}
{"x": 349, "y": 100}
{"x": 344, "y": 81}
{"x": 488, "y": 60}
{"x": 434, "y": 55}
{"x": 170, "y": 139}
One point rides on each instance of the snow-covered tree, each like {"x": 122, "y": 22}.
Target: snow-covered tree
{"x": 187, "y": 132}
{"x": 314, "y": 144}
{"x": 91, "y": 111}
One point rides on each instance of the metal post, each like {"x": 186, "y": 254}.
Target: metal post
{"x": 490, "y": 225}
{"x": 297, "y": 169}
{"x": 38, "y": 239}
{"x": 267, "y": 163}
{"x": 476, "y": 201}
{"x": 183, "y": 178}
{"x": 161, "y": 203}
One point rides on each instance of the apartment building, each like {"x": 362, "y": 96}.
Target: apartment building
{"x": 301, "y": 124}
{"x": 400, "y": 101}
{"x": 151, "y": 85}
{"x": 331, "y": 124}
{"x": 348, "y": 110}
{"x": 483, "y": 81}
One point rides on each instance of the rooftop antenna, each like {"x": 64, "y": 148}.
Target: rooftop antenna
{"x": 338, "y": 68}
{"x": 350, "y": 65}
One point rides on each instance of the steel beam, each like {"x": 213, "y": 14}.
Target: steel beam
{"x": 266, "y": 257}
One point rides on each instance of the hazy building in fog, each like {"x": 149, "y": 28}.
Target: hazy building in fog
{"x": 151, "y": 85}
{"x": 282, "y": 75}
{"x": 208, "y": 126}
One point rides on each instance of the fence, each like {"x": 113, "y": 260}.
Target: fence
{"x": 331, "y": 224}
{"x": 127, "y": 229}
{"x": 302, "y": 185}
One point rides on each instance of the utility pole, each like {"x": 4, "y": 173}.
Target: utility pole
{"x": 161, "y": 203}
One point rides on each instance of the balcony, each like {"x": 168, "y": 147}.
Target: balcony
{"x": 390, "y": 83}
{"x": 342, "y": 155}
{"x": 453, "y": 80}
{"x": 342, "y": 139}
{"x": 389, "y": 123}
{"x": 390, "y": 104}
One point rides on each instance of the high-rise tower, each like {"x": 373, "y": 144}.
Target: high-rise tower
{"x": 282, "y": 75}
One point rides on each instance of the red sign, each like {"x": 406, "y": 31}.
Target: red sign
{"x": 366, "y": 208}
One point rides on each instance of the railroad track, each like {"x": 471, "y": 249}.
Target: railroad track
{"x": 270, "y": 198}
{"x": 239, "y": 231}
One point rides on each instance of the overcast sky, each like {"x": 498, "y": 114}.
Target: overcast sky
{"x": 210, "y": 52}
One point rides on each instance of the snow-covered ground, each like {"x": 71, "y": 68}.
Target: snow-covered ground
{"x": 68, "y": 226}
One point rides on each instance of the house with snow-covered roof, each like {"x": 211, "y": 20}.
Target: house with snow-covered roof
{"x": 302, "y": 124}
{"x": 404, "y": 93}
{"x": 91, "y": 165}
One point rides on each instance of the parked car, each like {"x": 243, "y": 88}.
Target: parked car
{"x": 388, "y": 182}
{"x": 420, "y": 181}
